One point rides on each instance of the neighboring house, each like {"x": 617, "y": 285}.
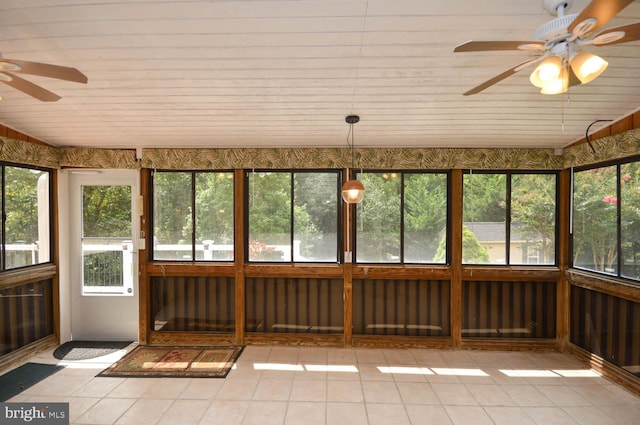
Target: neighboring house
{"x": 493, "y": 235}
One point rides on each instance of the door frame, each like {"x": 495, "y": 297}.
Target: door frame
{"x": 68, "y": 181}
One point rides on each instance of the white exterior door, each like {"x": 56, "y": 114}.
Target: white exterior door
{"x": 103, "y": 243}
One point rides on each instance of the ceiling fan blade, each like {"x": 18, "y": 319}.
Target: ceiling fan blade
{"x": 498, "y": 78}
{"x": 601, "y": 11}
{"x": 47, "y": 70}
{"x": 28, "y": 87}
{"x": 487, "y": 46}
{"x": 617, "y": 35}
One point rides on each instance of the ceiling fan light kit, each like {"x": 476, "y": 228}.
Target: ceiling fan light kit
{"x": 559, "y": 42}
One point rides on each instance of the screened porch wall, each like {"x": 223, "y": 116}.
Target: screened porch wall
{"x": 607, "y": 326}
{"x": 509, "y": 309}
{"x": 231, "y": 303}
{"x": 294, "y": 305}
{"x": 192, "y": 304}
{"x": 407, "y": 307}
{"x": 26, "y": 314}
{"x": 375, "y": 310}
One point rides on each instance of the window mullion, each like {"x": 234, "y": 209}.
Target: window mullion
{"x": 401, "y": 218}
{"x": 619, "y": 221}
{"x": 3, "y": 219}
{"x": 193, "y": 216}
{"x": 292, "y": 215}
{"x": 508, "y": 221}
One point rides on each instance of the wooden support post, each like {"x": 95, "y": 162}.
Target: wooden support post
{"x": 456, "y": 258}
{"x": 144, "y": 283}
{"x": 563, "y": 307}
{"x": 348, "y": 217}
{"x": 239, "y": 259}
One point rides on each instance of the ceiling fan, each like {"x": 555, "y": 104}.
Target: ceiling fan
{"x": 8, "y": 68}
{"x": 558, "y": 46}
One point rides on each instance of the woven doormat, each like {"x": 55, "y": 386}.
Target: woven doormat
{"x": 85, "y": 350}
{"x": 189, "y": 362}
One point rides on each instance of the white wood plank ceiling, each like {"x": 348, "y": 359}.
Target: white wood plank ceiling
{"x": 267, "y": 73}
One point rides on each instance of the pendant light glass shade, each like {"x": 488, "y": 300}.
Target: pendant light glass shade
{"x": 588, "y": 66}
{"x": 353, "y": 192}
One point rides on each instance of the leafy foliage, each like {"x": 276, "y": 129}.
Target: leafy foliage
{"x": 484, "y": 197}
{"x": 106, "y": 211}
{"x": 594, "y": 219}
{"x": 305, "y": 203}
{"x": 270, "y": 207}
{"x": 214, "y": 208}
{"x": 630, "y": 219}
{"x": 21, "y": 205}
{"x": 171, "y": 207}
{"x": 378, "y": 220}
{"x": 533, "y": 211}
{"x": 473, "y": 252}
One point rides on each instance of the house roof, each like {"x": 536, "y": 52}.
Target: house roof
{"x": 494, "y": 232}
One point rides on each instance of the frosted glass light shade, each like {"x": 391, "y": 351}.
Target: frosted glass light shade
{"x": 558, "y": 85}
{"x": 549, "y": 70}
{"x": 353, "y": 192}
{"x": 588, "y": 66}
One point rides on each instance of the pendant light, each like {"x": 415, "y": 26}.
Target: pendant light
{"x": 352, "y": 190}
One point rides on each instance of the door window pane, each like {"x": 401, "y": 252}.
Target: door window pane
{"x": 533, "y": 219}
{"x": 27, "y": 231}
{"x": 107, "y": 248}
{"x": 595, "y": 206}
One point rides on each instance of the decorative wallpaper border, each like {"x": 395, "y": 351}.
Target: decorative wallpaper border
{"x": 618, "y": 146}
{"x": 21, "y": 152}
{"x": 383, "y": 158}
{"x": 608, "y": 148}
{"x": 98, "y": 158}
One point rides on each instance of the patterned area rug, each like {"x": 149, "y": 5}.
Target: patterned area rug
{"x": 189, "y": 362}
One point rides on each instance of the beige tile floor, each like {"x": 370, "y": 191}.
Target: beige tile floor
{"x": 332, "y": 386}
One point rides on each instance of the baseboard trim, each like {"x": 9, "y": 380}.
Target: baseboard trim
{"x": 21, "y": 355}
{"x": 608, "y": 370}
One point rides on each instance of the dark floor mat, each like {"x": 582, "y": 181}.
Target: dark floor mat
{"x": 85, "y": 350}
{"x": 19, "y": 379}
